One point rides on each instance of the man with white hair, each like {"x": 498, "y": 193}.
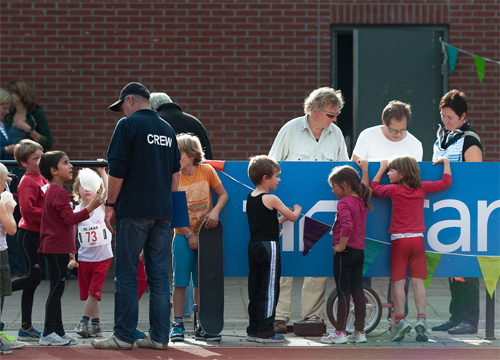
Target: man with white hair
{"x": 180, "y": 121}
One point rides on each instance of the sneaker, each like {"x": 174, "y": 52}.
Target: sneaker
{"x": 200, "y": 334}
{"x": 151, "y": 344}
{"x": 72, "y": 340}
{"x": 31, "y": 334}
{"x": 333, "y": 338}
{"x": 95, "y": 330}
{"x": 280, "y": 326}
{"x": 251, "y": 337}
{"x": 4, "y": 349}
{"x": 112, "y": 342}
{"x": 277, "y": 338}
{"x": 82, "y": 329}
{"x": 359, "y": 337}
{"x": 52, "y": 339}
{"x": 177, "y": 332}
{"x": 400, "y": 330}
{"x": 10, "y": 341}
{"x": 421, "y": 330}
{"x": 138, "y": 334}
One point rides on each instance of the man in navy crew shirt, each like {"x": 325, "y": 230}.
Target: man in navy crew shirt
{"x": 144, "y": 169}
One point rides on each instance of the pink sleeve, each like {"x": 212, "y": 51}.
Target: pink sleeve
{"x": 344, "y": 218}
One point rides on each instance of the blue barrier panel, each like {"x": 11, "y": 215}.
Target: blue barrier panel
{"x": 462, "y": 222}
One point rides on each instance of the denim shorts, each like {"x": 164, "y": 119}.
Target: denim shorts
{"x": 184, "y": 262}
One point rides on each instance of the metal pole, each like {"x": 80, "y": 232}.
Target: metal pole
{"x": 490, "y": 316}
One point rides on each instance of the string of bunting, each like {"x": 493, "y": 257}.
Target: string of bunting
{"x": 451, "y": 54}
{"x": 314, "y": 230}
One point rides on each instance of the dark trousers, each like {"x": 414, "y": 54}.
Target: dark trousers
{"x": 264, "y": 263}
{"x": 464, "y": 305}
{"x": 348, "y": 273}
{"x": 57, "y": 274}
{"x": 28, "y": 243}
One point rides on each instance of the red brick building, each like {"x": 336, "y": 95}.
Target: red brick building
{"x": 242, "y": 67}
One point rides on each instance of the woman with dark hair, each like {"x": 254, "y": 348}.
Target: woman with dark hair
{"x": 458, "y": 141}
{"x": 27, "y": 120}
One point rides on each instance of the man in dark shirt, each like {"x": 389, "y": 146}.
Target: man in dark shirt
{"x": 180, "y": 121}
{"x": 144, "y": 169}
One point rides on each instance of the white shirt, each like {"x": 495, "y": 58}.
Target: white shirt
{"x": 374, "y": 146}
{"x": 295, "y": 142}
{"x": 98, "y": 253}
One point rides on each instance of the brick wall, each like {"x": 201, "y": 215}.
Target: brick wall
{"x": 242, "y": 67}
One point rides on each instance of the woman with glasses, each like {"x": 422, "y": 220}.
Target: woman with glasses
{"x": 458, "y": 141}
{"x": 382, "y": 142}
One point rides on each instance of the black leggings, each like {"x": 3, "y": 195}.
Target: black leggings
{"x": 348, "y": 273}
{"x": 57, "y": 272}
{"x": 28, "y": 243}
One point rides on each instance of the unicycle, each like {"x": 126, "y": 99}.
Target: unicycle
{"x": 373, "y": 310}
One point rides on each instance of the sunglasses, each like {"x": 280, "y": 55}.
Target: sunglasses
{"x": 331, "y": 115}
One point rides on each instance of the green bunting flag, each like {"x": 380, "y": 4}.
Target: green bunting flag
{"x": 372, "y": 249}
{"x": 432, "y": 260}
{"x": 480, "y": 67}
{"x": 452, "y": 57}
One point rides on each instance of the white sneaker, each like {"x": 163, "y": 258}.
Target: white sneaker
{"x": 52, "y": 339}
{"x": 72, "y": 340}
{"x": 333, "y": 338}
{"x": 357, "y": 337}
{"x": 10, "y": 341}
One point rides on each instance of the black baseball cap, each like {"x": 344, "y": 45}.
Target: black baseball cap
{"x": 132, "y": 88}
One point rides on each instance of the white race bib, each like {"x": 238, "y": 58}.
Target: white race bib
{"x": 93, "y": 235}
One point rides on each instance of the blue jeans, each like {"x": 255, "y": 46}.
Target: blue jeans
{"x": 133, "y": 235}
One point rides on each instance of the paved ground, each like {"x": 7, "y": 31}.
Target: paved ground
{"x": 236, "y": 318}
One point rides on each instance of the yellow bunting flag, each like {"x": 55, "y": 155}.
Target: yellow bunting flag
{"x": 490, "y": 267}
{"x": 432, "y": 260}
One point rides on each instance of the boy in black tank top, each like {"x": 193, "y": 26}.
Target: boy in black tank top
{"x": 263, "y": 249}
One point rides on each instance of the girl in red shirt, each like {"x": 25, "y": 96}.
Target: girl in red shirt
{"x": 407, "y": 193}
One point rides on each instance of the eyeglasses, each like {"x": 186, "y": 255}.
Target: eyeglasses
{"x": 331, "y": 115}
{"x": 392, "y": 131}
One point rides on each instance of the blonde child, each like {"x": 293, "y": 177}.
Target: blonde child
{"x": 94, "y": 253}
{"x": 349, "y": 232}
{"x": 31, "y": 192}
{"x": 407, "y": 193}
{"x": 197, "y": 180}
{"x": 57, "y": 240}
{"x": 264, "y": 261}
{"x": 7, "y": 226}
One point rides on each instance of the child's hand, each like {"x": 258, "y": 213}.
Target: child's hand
{"x": 141, "y": 255}
{"x": 338, "y": 248}
{"x": 72, "y": 264}
{"x": 211, "y": 219}
{"x": 297, "y": 208}
{"x": 9, "y": 207}
{"x": 441, "y": 160}
{"x": 94, "y": 203}
{"x": 362, "y": 164}
{"x": 384, "y": 164}
{"x": 193, "y": 241}
{"x": 101, "y": 169}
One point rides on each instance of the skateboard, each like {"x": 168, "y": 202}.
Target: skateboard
{"x": 211, "y": 279}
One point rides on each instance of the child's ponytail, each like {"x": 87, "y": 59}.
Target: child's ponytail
{"x": 365, "y": 193}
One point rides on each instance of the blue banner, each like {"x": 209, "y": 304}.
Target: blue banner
{"x": 462, "y": 222}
